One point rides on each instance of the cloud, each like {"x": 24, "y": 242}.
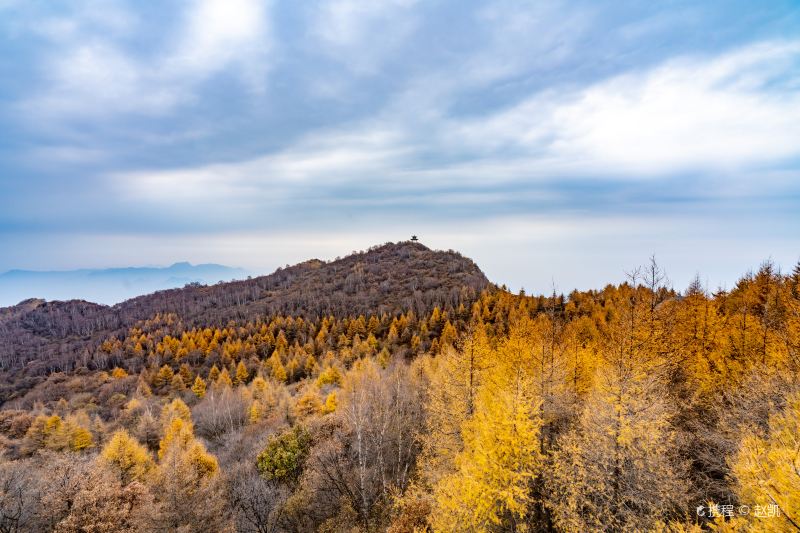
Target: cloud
{"x": 211, "y": 127}
{"x": 97, "y": 79}
{"x": 529, "y": 37}
{"x": 315, "y": 163}
{"x": 93, "y": 71}
{"x": 723, "y": 113}
{"x": 220, "y": 33}
{"x": 361, "y": 34}
{"x": 51, "y": 155}
{"x": 734, "y": 113}
{"x": 730, "y": 112}
{"x": 111, "y": 18}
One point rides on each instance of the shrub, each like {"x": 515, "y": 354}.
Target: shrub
{"x": 284, "y": 456}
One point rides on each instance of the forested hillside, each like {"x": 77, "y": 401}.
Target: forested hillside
{"x": 38, "y": 337}
{"x": 396, "y": 390}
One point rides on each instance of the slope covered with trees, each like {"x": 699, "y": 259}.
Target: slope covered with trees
{"x": 38, "y": 337}
{"x": 448, "y": 405}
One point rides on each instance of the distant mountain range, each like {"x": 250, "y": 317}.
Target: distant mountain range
{"x": 108, "y": 286}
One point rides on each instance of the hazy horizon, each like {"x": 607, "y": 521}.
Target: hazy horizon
{"x": 107, "y": 286}
{"x": 553, "y": 143}
{"x": 113, "y": 294}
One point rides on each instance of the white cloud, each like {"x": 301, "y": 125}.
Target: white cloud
{"x": 728, "y": 112}
{"x": 523, "y": 37}
{"x": 219, "y": 33}
{"x": 692, "y": 114}
{"x": 91, "y": 73}
{"x": 686, "y": 115}
{"x": 111, "y": 18}
{"x": 320, "y": 160}
{"x": 54, "y": 155}
{"x": 361, "y": 34}
{"x": 94, "y": 79}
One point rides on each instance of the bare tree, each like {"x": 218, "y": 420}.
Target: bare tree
{"x": 369, "y": 454}
{"x": 19, "y": 496}
{"x": 258, "y": 503}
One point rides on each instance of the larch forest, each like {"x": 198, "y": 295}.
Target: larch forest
{"x": 398, "y": 390}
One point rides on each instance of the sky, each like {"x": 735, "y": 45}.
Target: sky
{"x": 555, "y": 143}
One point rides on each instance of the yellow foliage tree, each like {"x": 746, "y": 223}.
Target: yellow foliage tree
{"x": 54, "y": 433}
{"x": 448, "y": 336}
{"x": 491, "y": 486}
{"x": 329, "y": 376}
{"x": 241, "y": 374}
{"x": 224, "y": 379}
{"x": 199, "y": 387}
{"x": 278, "y": 370}
{"x": 179, "y": 439}
{"x": 213, "y": 374}
{"x": 330, "y": 403}
{"x": 185, "y": 373}
{"x": 77, "y": 433}
{"x": 619, "y": 468}
{"x": 179, "y": 434}
{"x": 256, "y": 412}
{"x": 767, "y": 472}
{"x": 310, "y": 366}
{"x": 309, "y": 403}
{"x": 259, "y": 388}
{"x": 127, "y": 456}
{"x": 177, "y": 384}
{"x": 187, "y": 483}
{"x": 80, "y": 439}
{"x": 175, "y": 409}
{"x": 384, "y": 358}
{"x": 164, "y": 376}
{"x": 455, "y": 377}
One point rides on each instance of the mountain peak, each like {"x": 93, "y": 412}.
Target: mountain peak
{"x": 390, "y": 278}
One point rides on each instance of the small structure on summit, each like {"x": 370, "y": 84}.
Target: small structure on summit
{"x": 414, "y": 238}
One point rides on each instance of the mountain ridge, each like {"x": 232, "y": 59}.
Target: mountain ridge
{"x": 38, "y": 337}
{"x": 110, "y": 285}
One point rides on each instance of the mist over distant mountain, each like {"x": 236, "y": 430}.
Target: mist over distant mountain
{"x": 107, "y": 286}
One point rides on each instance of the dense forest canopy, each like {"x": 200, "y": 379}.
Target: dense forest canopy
{"x": 397, "y": 390}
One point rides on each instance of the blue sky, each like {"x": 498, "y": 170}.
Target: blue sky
{"x": 553, "y": 142}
